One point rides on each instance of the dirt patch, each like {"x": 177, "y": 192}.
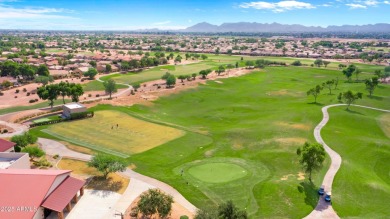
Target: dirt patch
{"x": 284, "y": 92}
{"x": 177, "y": 211}
{"x": 132, "y": 166}
{"x": 209, "y": 153}
{"x": 301, "y": 176}
{"x": 237, "y": 145}
{"x": 219, "y": 82}
{"x": 285, "y": 177}
{"x": 290, "y": 141}
{"x": 299, "y": 126}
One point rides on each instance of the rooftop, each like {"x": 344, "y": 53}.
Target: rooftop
{"x": 74, "y": 105}
{"x": 7, "y": 159}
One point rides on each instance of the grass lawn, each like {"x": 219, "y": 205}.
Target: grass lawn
{"x": 253, "y": 122}
{"x": 101, "y": 133}
{"x": 362, "y": 185}
{"x": 48, "y": 118}
{"x": 114, "y": 182}
{"x": 98, "y": 86}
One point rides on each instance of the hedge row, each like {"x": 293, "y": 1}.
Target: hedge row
{"x": 73, "y": 116}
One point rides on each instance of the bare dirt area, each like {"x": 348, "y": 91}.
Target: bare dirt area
{"x": 152, "y": 90}
{"x": 177, "y": 211}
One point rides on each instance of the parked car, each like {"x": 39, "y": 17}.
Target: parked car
{"x": 321, "y": 191}
{"x": 328, "y": 197}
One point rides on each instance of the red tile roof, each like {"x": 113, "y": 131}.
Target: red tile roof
{"x": 5, "y": 145}
{"x": 63, "y": 194}
{"x": 22, "y": 191}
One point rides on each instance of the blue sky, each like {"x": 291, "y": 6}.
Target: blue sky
{"x": 173, "y": 14}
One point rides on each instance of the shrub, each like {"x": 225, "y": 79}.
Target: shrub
{"x": 16, "y": 96}
{"x": 17, "y": 91}
{"x": 31, "y": 101}
{"x": 24, "y": 90}
{"x": 36, "y": 100}
{"x": 89, "y": 95}
{"x": 97, "y": 95}
{"x": 184, "y": 217}
{"x": 5, "y": 130}
{"x": 56, "y": 156}
{"x": 33, "y": 151}
{"x": 42, "y": 163}
{"x": 1, "y": 93}
{"x": 28, "y": 94}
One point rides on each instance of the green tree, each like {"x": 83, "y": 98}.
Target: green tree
{"x": 33, "y": 151}
{"x": 48, "y": 92}
{"x": 64, "y": 90}
{"x": 326, "y": 63}
{"x": 229, "y": 211}
{"x": 318, "y": 62}
{"x": 93, "y": 63}
{"x": 106, "y": 164}
{"x": 43, "y": 70}
{"x": 204, "y": 57}
{"x": 76, "y": 90}
{"x": 296, "y": 63}
{"x": 44, "y": 80}
{"x": 154, "y": 202}
{"x": 315, "y": 92}
{"x": 193, "y": 76}
{"x": 329, "y": 84}
{"x": 182, "y": 78}
{"x": 171, "y": 80}
{"x": 350, "y": 97}
{"x": 220, "y": 69}
{"x": 108, "y": 68}
{"x": 371, "y": 84}
{"x": 336, "y": 83}
{"x": 91, "y": 73}
{"x": 204, "y": 73}
{"x": 311, "y": 157}
{"x": 349, "y": 71}
{"x": 110, "y": 86}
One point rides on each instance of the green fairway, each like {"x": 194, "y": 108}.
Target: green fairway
{"x": 35, "y": 106}
{"x": 98, "y": 86}
{"x": 217, "y": 172}
{"x": 362, "y": 185}
{"x": 213, "y": 62}
{"x": 254, "y": 122}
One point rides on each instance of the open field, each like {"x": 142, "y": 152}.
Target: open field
{"x": 362, "y": 185}
{"x": 213, "y": 62}
{"x": 255, "y": 121}
{"x": 114, "y": 132}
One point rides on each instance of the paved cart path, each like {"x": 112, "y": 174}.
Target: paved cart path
{"x": 325, "y": 209}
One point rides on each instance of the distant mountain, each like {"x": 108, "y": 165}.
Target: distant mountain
{"x": 283, "y": 28}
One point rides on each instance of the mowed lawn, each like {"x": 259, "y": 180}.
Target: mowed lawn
{"x": 101, "y": 133}
{"x": 362, "y": 138}
{"x": 262, "y": 118}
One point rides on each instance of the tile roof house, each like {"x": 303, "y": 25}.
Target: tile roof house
{"x": 35, "y": 193}
{"x": 6, "y": 146}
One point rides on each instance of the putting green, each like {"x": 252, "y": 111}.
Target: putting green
{"x": 217, "y": 172}
{"x": 41, "y": 120}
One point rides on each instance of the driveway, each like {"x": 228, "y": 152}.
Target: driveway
{"x": 93, "y": 204}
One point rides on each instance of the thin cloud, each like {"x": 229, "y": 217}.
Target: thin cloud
{"x": 7, "y": 12}
{"x": 276, "y": 7}
{"x": 371, "y": 2}
{"x": 161, "y": 23}
{"x": 386, "y": 2}
{"x": 356, "y": 6}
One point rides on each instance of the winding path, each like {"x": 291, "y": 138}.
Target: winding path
{"x": 325, "y": 209}
{"x": 138, "y": 183}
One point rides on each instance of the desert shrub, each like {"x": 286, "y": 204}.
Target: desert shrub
{"x": 1, "y": 93}
{"x": 31, "y": 101}
{"x": 97, "y": 95}
{"x": 56, "y": 156}
{"x": 16, "y": 96}
{"x": 17, "y": 91}
{"x": 24, "y": 90}
{"x": 89, "y": 95}
{"x": 28, "y": 94}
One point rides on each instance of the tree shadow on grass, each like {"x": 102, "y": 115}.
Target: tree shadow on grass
{"x": 374, "y": 97}
{"x": 354, "y": 112}
{"x": 318, "y": 104}
{"x": 310, "y": 190}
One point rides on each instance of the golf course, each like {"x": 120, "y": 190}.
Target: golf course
{"x": 236, "y": 139}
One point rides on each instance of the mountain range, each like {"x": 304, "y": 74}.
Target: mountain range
{"x": 254, "y": 27}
